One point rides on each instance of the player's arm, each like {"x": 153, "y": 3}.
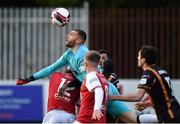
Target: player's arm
{"x": 73, "y": 83}
{"x": 21, "y": 81}
{"x": 146, "y": 83}
{"x": 97, "y": 114}
{"x": 148, "y": 102}
{"x": 142, "y": 105}
{"x": 51, "y": 68}
{"x": 40, "y": 74}
{"x": 93, "y": 85}
{"x": 130, "y": 97}
{"x": 44, "y": 72}
{"x": 77, "y": 106}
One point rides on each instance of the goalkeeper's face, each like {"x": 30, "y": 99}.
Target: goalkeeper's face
{"x": 71, "y": 39}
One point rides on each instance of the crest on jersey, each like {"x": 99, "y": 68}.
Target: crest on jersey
{"x": 82, "y": 68}
{"x": 143, "y": 81}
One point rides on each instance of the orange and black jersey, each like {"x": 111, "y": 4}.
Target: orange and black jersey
{"x": 156, "y": 82}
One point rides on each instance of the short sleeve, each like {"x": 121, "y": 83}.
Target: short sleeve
{"x": 92, "y": 81}
{"x": 147, "y": 80}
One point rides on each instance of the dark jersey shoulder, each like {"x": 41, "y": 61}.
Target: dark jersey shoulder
{"x": 147, "y": 80}
{"x": 113, "y": 78}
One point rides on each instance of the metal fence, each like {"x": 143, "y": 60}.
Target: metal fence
{"x": 29, "y": 42}
{"x": 124, "y": 30}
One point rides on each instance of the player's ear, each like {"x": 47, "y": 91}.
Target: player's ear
{"x": 143, "y": 60}
{"x": 85, "y": 63}
{"x": 79, "y": 41}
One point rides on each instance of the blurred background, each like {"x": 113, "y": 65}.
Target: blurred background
{"x": 29, "y": 42}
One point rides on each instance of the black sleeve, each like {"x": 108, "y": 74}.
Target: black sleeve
{"x": 147, "y": 80}
{"x": 29, "y": 79}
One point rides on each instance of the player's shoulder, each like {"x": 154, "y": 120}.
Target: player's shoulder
{"x": 147, "y": 73}
{"x": 152, "y": 72}
{"x": 83, "y": 48}
{"x": 111, "y": 85}
{"x": 91, "y": 74}
{"x": 95, "y": 74}
{"x": 81, "y": 52}
{"x": 91, "y": 77}
{"x": 112, "y": 89}
{"x": 153, "y": 68}
{"x": 68, "y": 52}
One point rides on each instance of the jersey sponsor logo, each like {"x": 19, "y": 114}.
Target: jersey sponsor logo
{"x": 63, "y": 97}
{"x": 143, "y": 81}
{"x": 82, "y": 68}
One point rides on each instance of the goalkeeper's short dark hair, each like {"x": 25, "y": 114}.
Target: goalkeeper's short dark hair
{"x": 82, "y": 34}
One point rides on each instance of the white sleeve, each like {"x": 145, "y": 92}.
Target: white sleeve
{"x": 98, "y": 98}
{"x": 92, "y": 81}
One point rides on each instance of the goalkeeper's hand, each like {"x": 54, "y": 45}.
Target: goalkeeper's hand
{"x": 21, "y": 81}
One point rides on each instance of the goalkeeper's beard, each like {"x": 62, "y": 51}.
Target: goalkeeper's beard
{"x": 70, "y": 45}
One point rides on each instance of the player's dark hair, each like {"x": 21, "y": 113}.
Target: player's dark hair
{"x": 108, "y": 68}
{"x": 101, "y": 51}
{"x": 93, "y": 56}
{"x": 82, "y": 34}
{"x": 149, "y": 53}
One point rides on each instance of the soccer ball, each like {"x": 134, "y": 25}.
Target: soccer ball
{"x": 60, "y": 17}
